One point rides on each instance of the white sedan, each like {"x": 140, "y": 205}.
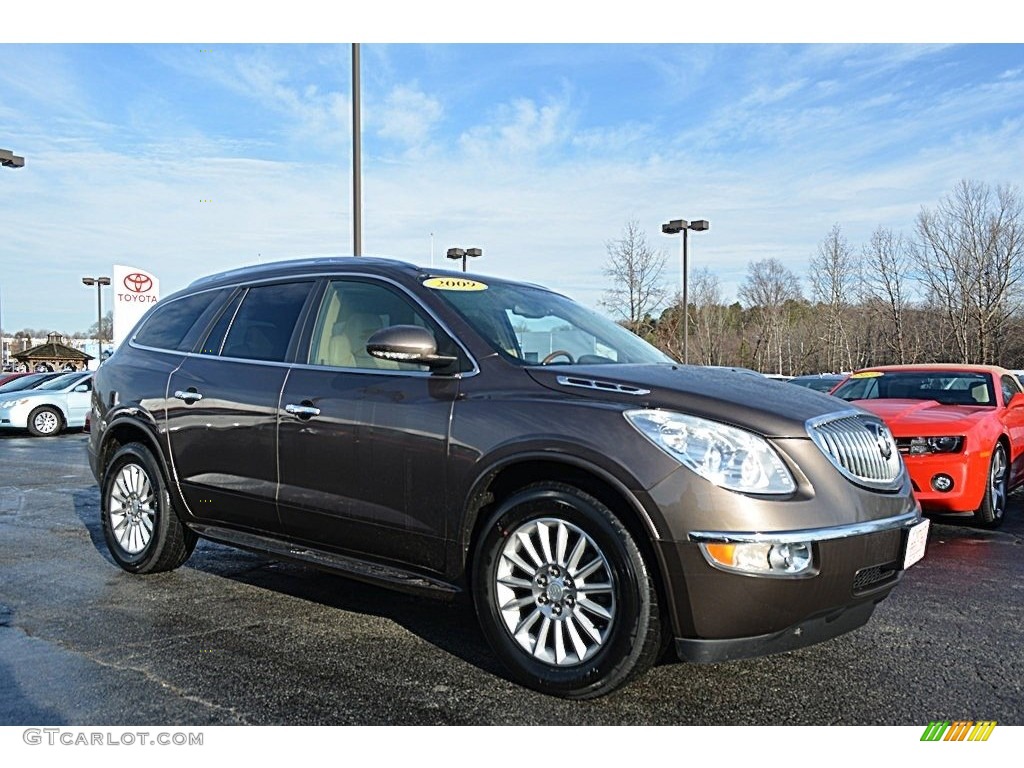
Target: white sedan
{"x": 49, "y": 408}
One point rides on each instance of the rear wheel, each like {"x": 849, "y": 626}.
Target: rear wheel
{"x": 993, "y": 507}
{"x": 142, "y": 529}
{"x": 564, "y": 594}
{"x": 45, "y": 421}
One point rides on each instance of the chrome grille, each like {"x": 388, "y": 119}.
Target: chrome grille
{"x": 860, "y": 446}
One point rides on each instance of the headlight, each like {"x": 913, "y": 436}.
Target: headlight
{"x": 920, "y": 445}
{"x": 12, "y": 403}
{"x": 726, "y": 456}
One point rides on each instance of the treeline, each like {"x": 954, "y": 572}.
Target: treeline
{"x": 951, "y": 290}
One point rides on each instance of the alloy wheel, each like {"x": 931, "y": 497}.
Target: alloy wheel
{"x": 555, "y": 592}
{"x": 133, "y": 507}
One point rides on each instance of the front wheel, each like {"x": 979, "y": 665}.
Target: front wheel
{"x": 993, "y": 507}
{"x": 564, "y": 594}
{"x": 45, "y": 422}
{"x": 142, "y": 530}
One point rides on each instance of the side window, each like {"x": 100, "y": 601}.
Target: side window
{"x": 215, "y": 339}
{"x": 351, "y": 312}
{"x": 175, "y": 324}
{"x": 263, "y": 326}
{"x": 1010, "y": 388}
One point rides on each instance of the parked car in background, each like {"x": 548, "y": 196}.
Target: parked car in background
{"x": 49, "y": 408}
{"x": 9, "y": 376}
{"x": 26, "y": 381}
{"x": 960, "y": 429}
{"x": 819, "y": 382}
{"x": 444, "y": 433}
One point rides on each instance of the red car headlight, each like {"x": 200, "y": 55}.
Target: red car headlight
{"x": 925, "y": 445}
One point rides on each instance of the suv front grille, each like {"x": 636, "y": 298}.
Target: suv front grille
{"x": 860, "y": 446}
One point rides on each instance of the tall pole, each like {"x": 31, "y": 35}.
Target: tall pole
{"x": 99, "y": 317}
{"x": 686, "y": 302}
{"x": 357, "y": 160}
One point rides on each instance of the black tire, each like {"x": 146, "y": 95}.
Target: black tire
{"x": 992, "y": 511}
{"x": 143, "y": 531}
{"x": 45, "y": 421}
{"x": 552, "y": 586}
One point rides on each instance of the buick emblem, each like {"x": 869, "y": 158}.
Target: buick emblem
{"x": 137, "y": 282}
{"x": 883, "y": 441}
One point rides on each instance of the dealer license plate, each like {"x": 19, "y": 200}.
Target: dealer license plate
{"x": 917, "y": 539}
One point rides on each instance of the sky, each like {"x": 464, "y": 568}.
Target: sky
{"x": 203, "y": 151}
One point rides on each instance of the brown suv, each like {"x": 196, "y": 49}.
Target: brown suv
{"x": 449, "y": 434}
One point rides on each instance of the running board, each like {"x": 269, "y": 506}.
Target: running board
{"x": 384, "y": 575}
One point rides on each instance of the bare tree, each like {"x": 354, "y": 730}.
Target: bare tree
{"x": 970, "y": 252}
{"x": 833, "y": 275}
{"x": 766, "y": 289}
{"x": 710, "y": 318}
{"x": 637, "y": 271}
{"x": 885, "y": 283}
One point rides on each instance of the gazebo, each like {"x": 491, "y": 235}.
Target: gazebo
{"x": 54, "y": 355}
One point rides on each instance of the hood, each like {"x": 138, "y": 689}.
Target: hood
{"x": 925, "y": 418}
{"x": 753, "y": 402}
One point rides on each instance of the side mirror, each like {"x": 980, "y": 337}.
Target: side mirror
{"x": 1017, "y": 401}
{"x": 82, "y": 388}
{"x": 407, "y": 344}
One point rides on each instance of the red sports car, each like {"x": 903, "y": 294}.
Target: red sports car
{"x": 960, "y": 429}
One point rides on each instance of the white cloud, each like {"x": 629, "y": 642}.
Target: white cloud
{"x": 407, "y": 116}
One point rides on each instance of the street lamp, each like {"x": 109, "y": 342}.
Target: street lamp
{"x": 464, "y": 254}
{"x": 7, "y": 160}
{"x": 99, "y": 282}
{"x": 672, "y": 228}
{"x": 10, "y": 160}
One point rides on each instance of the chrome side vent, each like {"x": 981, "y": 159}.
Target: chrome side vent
{"x": 860, "y": 446}
{"x": 604, "y": 386}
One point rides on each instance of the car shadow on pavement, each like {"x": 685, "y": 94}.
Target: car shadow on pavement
{"x": 448, "y": 624}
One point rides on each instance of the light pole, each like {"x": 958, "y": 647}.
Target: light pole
{"x": 672, "y": 228}
{"x": 7, "y": 160}
{"x": 99, "y": 282}
{"x": 464, "y": 254}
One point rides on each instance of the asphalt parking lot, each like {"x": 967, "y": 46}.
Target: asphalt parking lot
{"x": 236, "y": 638}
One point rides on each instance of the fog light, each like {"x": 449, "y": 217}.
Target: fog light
{"x": 942, "y": 483}
{"x": 761, "y": 558}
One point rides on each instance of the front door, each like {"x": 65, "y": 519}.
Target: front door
{"x": 363, "y": 441}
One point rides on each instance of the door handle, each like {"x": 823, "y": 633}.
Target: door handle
{"x": 302, "y": 411}
{"x": 189, "y": 396}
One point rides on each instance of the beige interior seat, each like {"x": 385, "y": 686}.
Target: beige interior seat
{"x": 980, "y": 394}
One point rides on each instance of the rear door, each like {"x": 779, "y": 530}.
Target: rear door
{"x": 223, "y": 403}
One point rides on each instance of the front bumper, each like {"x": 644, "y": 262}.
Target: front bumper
{"x": 723, "y": 615}
{"x": 808, "y": 632}
{"x": 15, "y": 417}
{"x": 969, "y": 473}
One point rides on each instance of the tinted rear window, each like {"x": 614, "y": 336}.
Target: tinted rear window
{"x": 175, "y": 324}
{"x": 263, "y": 326}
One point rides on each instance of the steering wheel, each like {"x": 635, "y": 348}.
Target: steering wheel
{"x": 557, "y": 353}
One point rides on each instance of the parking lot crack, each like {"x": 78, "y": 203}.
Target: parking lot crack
{"x": 231, "y": 713}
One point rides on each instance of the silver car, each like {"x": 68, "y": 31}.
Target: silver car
{"x": 50, "y": 408}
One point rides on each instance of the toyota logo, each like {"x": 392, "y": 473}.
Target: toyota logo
{"x": 137, "y": 282}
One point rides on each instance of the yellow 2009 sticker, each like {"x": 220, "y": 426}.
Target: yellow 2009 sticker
{"x": 866, "y": 375}
{"x": 454, "y": 284}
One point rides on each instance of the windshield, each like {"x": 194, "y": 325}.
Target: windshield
{"x": 945, "y": 387}
{"x": 529, "y": 325}
{"x": 61, "y": 382}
